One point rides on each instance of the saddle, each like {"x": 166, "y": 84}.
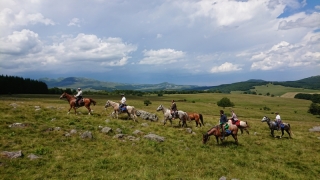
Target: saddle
{"x": 80, "y": 102}
{"x": 123, "y": 108}
{"x": 237, "y": 123}
{"x": 175, "y": 114}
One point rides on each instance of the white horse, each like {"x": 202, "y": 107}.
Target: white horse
{"x": 131, "y": 111}
{"x": 183, "y": 116}
{"x": 243, "y": 125}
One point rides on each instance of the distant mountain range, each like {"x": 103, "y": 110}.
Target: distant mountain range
{"x": 91, "y": 84}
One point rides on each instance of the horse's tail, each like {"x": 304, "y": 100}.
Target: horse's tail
{"x": 290, "y": 129}
{"x": 91, "y": 100}
{"x": 201, "y": 119}
{"x": 247, "y": 124}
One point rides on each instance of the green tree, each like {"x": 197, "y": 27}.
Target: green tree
{"x": 147, "y": 102}
{"x": 225, "y": 102}
{"x": 314, "y": 109}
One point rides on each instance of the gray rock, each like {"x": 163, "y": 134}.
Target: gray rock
{"x": 315, "y": 129}
{"x": 145, "y": 124}
{"x": 137, "y": 132}
{"x": 118, "y": 136}
{"x": 189, "y": 130}
{"x": 32, "y": 156}
{"x": 17, "y": 125}
{"x": 73, "y": 131}
{"x": 118, "y": 130}
{"x": 87, "y": 134}
{"x": 106, "y": 130}
{"x": 12, "y": 155}
{"x": 154, "y": 137}
{"x": 146, "y": 115}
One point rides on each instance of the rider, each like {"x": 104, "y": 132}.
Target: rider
{"x": 223, "y": 121}
{"x": 278, "y": 120}
{"x": 122, "y": 102}
{"x": 173, "y": 109}
{"x": 234, "y": 117}
{"x": 78, "y": 96}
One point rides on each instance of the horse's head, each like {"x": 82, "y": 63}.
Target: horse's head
{"x": 107, "y": 104}
{"x": 160, "y": 108}
{"x": 205, "y": 138}
{"x": 63, "y": 95}
{"x": 265, "y": 119}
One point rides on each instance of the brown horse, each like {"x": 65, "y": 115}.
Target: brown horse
{"x": 83, "y": 102}
{"x": 197, "y": 117}
{"x": 216, "y": 131}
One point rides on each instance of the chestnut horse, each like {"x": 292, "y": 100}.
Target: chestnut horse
{"x": 197, "y": 117}
{"x": 83, "y": 102}
{"x": 216, "y": 131}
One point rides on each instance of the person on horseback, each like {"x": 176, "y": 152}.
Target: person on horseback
{"x": 174, "y": 109}
{"x": 278, "y": 120}
{"x": 234, "y": 117}
{"x": 122, "y": 102}
{"x": 78, "y": 96}
{"x": 223, "y": 121}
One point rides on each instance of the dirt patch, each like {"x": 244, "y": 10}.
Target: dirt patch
{"x": 289, "y": 94}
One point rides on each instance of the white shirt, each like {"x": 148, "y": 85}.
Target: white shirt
{"x": 278, "y": 117}
{"x": 234, "y": 116}
{"x": 79, "y": 94}
{"x": 123, "y": 100}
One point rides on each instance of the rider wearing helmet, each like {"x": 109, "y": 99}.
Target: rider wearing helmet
{"x": 78, "y": 96}
{"x": 122, "y": 102}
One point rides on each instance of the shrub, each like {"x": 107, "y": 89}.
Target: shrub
{"x": 225, "y": 102}
{"x": 147, "y": 102}
{"x": 314, "y": 109}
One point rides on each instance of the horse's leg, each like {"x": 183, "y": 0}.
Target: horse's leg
{"x": 235, "y": 137}
{"x": 282, "y": 132}
{"x": 241, "y": 130}
{"x": 246, "y": 130}
{"x": 69, "y": 109}
{"x": 217, "y": 138}
{"x": 288, "y": 131}
{"x": 88, "y": 107}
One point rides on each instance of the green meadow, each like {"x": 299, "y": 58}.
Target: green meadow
{"x": 182, "y": 154}
{"x": 278, "y": 90}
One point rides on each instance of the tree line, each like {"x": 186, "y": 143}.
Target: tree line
{"x": 19, "y": 85}
{"x": 314, "y": 108}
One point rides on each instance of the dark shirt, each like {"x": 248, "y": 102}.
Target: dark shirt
{"x": 173, "y": 107}
{"x": 223, "y": 119}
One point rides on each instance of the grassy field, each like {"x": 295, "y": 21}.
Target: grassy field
{"x": 278, "y": 90}
{"x": 181, "y": 156}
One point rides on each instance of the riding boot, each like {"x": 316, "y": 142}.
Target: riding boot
{"x": 223, "y": 132}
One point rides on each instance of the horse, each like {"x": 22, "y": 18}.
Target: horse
{"x": 273, "y": 126}
{"x": 197, "y": 117}
{"x": 242, "y": 125}
{"x": 216, "y": 131}
{"x": 131, "y": 111}
{"x": 83, "y": 102}
{"x": 183, "y": 116}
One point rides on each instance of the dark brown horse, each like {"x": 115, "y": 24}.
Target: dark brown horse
{"x": 83, "y": 102}
{"x": 197, "y": 117}
{"x": 216, "y": 131}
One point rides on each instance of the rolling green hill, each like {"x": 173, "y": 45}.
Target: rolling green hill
{"x": 91, "y": 84}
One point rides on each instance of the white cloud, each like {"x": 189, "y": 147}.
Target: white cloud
{"x": 20, "y": 43}
{"x": 285, "y": 55}
{"x": 302, "y": 21}
{"x": 225, "y": 67}
{"x": 9, "y": 18}
{"x": 74, "y": 22}
{"x": 159, "y": 35}
{"x": 162, "y": 56}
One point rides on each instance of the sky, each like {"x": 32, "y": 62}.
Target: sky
{"x": 184, "y": 42}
